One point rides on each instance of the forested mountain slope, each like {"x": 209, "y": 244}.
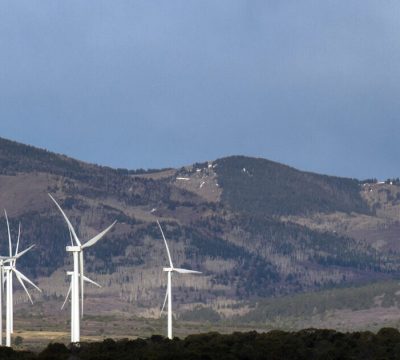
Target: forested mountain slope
{"x": 248, "y": 224}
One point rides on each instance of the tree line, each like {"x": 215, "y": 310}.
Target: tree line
{"x": 308, "y": 344}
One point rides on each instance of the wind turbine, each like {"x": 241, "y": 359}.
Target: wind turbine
{"x": 77, "y": 276}
{"x": 7, "y": 272}
{"x": 168, "y": 295}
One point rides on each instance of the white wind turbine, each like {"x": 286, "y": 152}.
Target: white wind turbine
{"x": 168, "y": 294}
{"x": 6, "y": 274}
{"x": 77, "y": 276}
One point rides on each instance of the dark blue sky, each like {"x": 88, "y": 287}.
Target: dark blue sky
{"x": 313, "y": 84}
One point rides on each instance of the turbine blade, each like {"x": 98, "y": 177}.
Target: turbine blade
{"x": 25, "y": 278}
{"x": 81, "y": 279}
{"x": 66, "y": 298}
{"x": 68, "y": 222}
{"x": 91, "y": 281}
{"x": 19, "y": 235}
{"x": 1, "y": 284}
{"x": 23, "y": 285}
{"x": 4, "y": 280}
{"x": 186, "y": 271}
{"x": 70, "y": 236}
{"x": 9, "y": 233}
{"x": 95, "y": 239}
{"x": 24, "y": 252}
{"x": 165, "y": 301}
{"x": 165, "y": 241}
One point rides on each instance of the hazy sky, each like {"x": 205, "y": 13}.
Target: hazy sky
{"x": 313, "y": 84}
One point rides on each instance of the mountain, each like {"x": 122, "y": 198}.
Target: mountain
{"x": 259, "y": 186}
{"x": 255, "y": 228}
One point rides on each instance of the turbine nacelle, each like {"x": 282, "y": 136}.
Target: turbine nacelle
{"x": 76, "y": 248}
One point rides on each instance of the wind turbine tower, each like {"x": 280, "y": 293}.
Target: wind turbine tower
{"x": 77, "y": 275}
{"x": 1, "y": 299}
{"x": 169, "y": 270}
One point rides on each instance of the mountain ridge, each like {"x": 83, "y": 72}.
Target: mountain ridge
{"x": 238, "y": 219}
